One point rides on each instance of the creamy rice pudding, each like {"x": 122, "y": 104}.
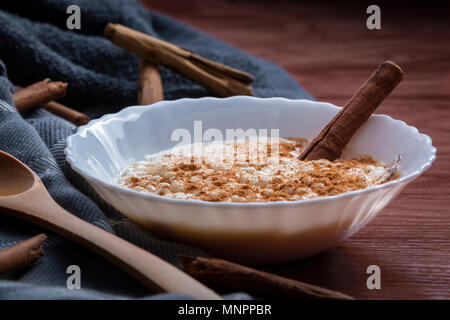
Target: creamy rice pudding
{"x": 249, "y": 170}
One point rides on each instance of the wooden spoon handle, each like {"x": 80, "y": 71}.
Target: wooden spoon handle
{"x": 150, "y": 270}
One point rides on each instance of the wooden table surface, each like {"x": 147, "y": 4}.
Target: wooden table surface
{"x": 330, "y": 52}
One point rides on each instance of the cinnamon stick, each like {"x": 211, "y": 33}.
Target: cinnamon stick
{"x": 330, "y": 143}
{"x": 63, "y": 111}
{"x": 150, "y": 85}
{"x": 227, "y": 275}
{"x": 22, "y": 255}
{"x": 220, "y": 79}
{"x": 38, "y": 94}
{"x": 71, "y": 115}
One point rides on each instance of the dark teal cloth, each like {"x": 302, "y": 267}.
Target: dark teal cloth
{"x": 35, "y": 44}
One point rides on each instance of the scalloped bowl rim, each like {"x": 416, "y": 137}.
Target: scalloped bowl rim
{"x": 121, "y": 115}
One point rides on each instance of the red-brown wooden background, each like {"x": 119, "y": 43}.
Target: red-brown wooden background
{"x": 329, "y": 51}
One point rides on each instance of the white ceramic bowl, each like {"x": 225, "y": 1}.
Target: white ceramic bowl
{"x": 253, "y": 233}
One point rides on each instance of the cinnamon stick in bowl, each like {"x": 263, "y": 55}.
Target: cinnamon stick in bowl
{"x": 330, "y": 143}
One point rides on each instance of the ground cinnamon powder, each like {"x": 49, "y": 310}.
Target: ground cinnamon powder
{"x": 255, "y": 182}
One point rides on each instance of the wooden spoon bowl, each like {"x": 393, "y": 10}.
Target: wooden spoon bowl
{"x": 23, "y": 195}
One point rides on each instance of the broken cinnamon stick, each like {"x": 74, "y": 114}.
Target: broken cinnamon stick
{"x": 63, "y": 111}
{"x": 38, "y": 94}
{"x": 330, "y": 143}
{"x": 227, "y": 275}
{"x": 22, "y": 255}
{"x": 150, "y": 85}
{"x": 220, "y": 79}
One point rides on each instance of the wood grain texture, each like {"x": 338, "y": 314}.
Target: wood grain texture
{"x": 328, "y": 50}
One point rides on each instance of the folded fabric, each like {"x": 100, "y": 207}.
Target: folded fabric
{"x": 35, "y": 44}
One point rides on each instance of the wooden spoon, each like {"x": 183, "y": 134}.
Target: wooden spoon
{"x": 23, "y": 195}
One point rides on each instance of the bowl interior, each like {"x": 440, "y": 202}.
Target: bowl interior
{"x": 105, "y": 146}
